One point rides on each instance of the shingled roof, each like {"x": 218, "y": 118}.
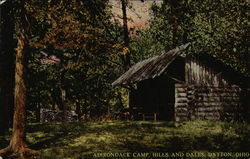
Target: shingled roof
{"x": 149, "y": 68}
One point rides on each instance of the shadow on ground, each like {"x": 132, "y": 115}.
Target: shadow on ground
{"x": 83, "y": 140}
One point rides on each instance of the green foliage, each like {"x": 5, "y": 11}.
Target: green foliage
{"x": 146, "y": 45}
{"x": 218, "y": 28}
{"x": 81, "y": 35}
{"x": 89, "y": 45}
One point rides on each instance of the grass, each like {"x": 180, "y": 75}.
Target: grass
{"x": 84, "y": 139}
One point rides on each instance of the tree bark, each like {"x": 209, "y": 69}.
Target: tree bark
{"x": 174, "y": 21}
{"x": 38, "y": 112}
{"x": 63, "y": 104}
{"x": 53, "y": 99}
{"x": 63, "y": 93}
{"x": 126, "y": 56}
{"x": 17, "y": 144}
{"x": 78, "y": 108}
{"x": 18, "y": 137}
{"x": 17, "y": 141}
{"x": 174, "y": 5}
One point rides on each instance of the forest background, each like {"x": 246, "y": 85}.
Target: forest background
{"x": 76, "y": 49}
{"x": 64, "y": 54}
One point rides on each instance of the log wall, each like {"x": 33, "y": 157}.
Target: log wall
{"x": 209, "y": 103}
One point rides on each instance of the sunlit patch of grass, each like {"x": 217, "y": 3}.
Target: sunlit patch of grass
{"x": 81, "y": 140}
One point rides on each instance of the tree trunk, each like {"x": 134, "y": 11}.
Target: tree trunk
{"x": 174, "y": 5}
{"x": 17, "y": 143}
{"x": 78, "y": 109}
{"x": 53, "y": 104}
{"x": 174, "y": 21}
{"x": 53, "y": 99}
{"x": 63, "y": 105}
{"x": 63, "y": 94}
{"x": 18, "y": 136}
{"x": 38, "y": 112}
{"x": 126, "y": 56}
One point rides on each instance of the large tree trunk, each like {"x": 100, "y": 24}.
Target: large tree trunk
{"x": 18, "y": 138}
{"x": 17, "y": 144}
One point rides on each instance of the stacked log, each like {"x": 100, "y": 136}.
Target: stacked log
{"x": 209, "y": 102}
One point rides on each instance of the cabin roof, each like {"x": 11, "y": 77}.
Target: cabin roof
{"x": 149, "y": 68}
{"x": 233, "y": 74}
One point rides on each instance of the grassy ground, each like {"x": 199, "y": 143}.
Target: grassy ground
{"x": 90, "y": 139}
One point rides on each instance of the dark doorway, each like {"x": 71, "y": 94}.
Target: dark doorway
{"x": 166, "y": 99}
{"x": 156, "y": 97}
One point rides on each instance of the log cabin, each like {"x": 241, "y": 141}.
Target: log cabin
{"x": 174, "y": 86}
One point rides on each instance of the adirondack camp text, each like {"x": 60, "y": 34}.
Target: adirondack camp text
{"x": 172, "y": 154}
